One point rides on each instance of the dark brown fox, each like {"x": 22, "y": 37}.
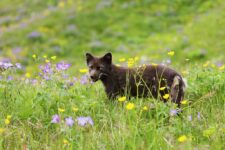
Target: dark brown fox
{"x": 157, "y": 81}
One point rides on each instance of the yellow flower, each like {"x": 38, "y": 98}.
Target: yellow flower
{"x": 61, "y": 109}
{"x": 122, "y": 60}
{"x": 47, "y": 61}
{"x": 27, "y": 75}
{"x": 184, "y": 72}
{"x": 222, "y": 67}
{"x": 154, "y": 65}
{"x": 130, "y": 106}
{"x": 182, "y": 138}
{"x": 9, "y": 117}
{"x": 166, "y": 96}
{"x": 34, "y": 56}
{"x": 213, "y": 65}
{"x": 171, "y": 53}
{"x": 122, "y": 99}
{"x": 66, "y": 142}
{"x": 45, "y": 56}
{"x": 75, "y": 109}
{"x": 53, "y": 57}
{"x": 206, "y": 64}
{"x": 1, "y": 130}
{"x": 162, "y": 88}
{"x": 7, "y": 121}
{"x": 61, "y": 4}
{"x": 145, "y": 108}
{"x": 136, "y": 58}
{"x": 83, "y": 70}
{"x": 184, "y": 102}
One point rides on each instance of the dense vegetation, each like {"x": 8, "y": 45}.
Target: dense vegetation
{"x": 49, "y": 39}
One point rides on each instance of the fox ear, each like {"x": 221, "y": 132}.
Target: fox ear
{"x": 89, "y": 57}
{"x": 107, "y": 58}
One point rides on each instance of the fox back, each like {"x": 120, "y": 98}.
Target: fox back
{"x": 156, "y": 81}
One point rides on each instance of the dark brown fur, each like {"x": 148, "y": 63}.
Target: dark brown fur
{"x": 143, "y": 81}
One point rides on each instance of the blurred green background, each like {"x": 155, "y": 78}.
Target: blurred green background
{"x": 194, "y": 29}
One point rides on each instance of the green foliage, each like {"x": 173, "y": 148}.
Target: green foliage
{"x": 194, "y": 30}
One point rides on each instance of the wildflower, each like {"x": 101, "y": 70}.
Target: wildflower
{"x": 189, "y": 118}
{"x": 75, "y": 109}
{"x": 18, "y": 65}
{"x": 47, "y": 60}
{"x": 27, "y": 75}
{"x": 136, "y": 58}
{"x": 69, "y": 121}
{"x": 10, "y": 78}
{"x": 122, "y": 99}
{"x": 154, "y": 65}
{"x": 2, "y": 130}
{"x": 4, "y": 66}
{"x": 130, "y": 106}
{"x": 173, "y": 112}
{"x": 45, "y": 56}
{"x": 61, "y": 109}
{"x": 84, "y": 80}
{"x": 66, "y": 142}
{"x": 9, "y": 117}
{"x": 82, "y": 121}
{"x": 55, "y": 119}
{"x": 62, "y": 66}
{"x": 184, "y": 102}
{"x": 206, "y": 64}
{"x": 182, "y": 138}
{"x": 162, "y": 88}
{"x": 53, "y": 57}
{"x": 122, "y": 60}
{"x": 166, "y": 96}
{"x": 222, "y": 67}
{"x": 7, "y": 121}
{"x": 34, "y": 56}
{"x": 145, "y": 108}
{"x": 83, "y": 70}
{"x": 61, "y": 4}
{"x": 34, "y": 35}
{"x": 171, "y": 53}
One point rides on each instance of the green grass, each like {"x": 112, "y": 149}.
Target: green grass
{"x": 143, "y": 28}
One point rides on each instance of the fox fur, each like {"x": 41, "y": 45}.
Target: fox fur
{"x": 144, "y": 81}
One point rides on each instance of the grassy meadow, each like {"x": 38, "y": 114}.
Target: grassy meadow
{"x": 48, "y": 102}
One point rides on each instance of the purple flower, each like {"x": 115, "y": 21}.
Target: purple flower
{"x": 199, "y": 116}
{"x": 5, "y": 65}
{"x": 69, "y": 121}
{"x": 18, "y": 65}
{"x": 84, "y": 80}
{"x": 189, "y": 118}
{"x": 55, "y": 119}
{"x": 16, "y": 50}
{"x": 34, "y": 81}
{"x": 34, "y": 35}
{"x": 62, "y": 66}
{"x": 82, "y": 121}
{"x": 173, "y": 112}
{"x": 46, "y": 69}
{"x": 10, "y": 78}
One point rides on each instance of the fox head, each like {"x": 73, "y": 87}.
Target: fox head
{"x": 99, "y": 67}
